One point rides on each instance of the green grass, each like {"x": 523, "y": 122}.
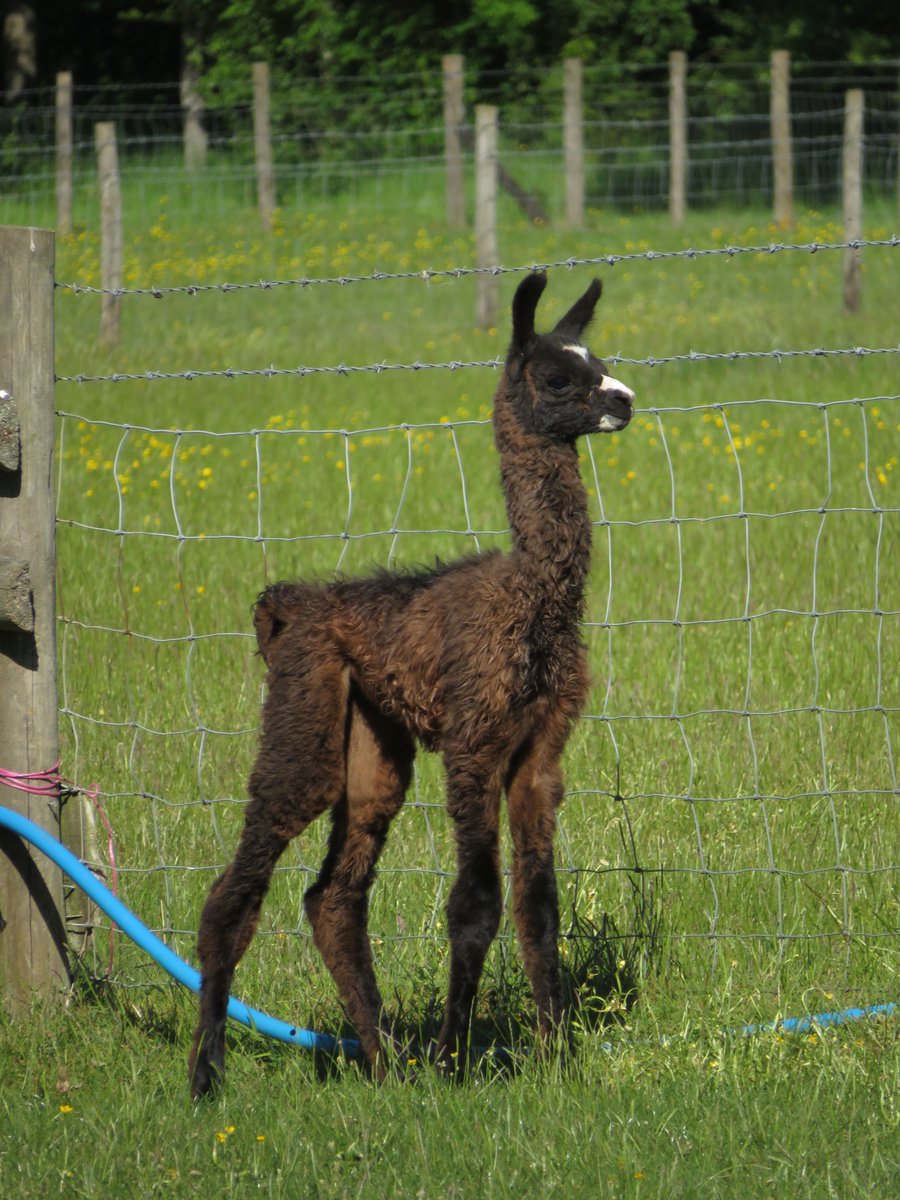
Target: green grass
{"x": 94, "y": 1102}
{"x": 715, "y": 869}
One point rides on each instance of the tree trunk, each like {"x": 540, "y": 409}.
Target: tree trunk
{"x": 19, "y": 50}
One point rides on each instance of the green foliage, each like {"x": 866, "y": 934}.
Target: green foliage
{"x": 829, "y": 31}
{"x": 327, "y": 39}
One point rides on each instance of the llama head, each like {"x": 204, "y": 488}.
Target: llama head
{"x": 558, "y": 389}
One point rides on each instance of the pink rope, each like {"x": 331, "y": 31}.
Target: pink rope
{"x": 48, "y": 783}
{"x": 36, "y": 783}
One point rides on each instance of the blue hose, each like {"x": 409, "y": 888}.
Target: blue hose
{"x": 167, "y": 959}
{"x": 820, "y": 1020}
{"x": 280, "y": 1030}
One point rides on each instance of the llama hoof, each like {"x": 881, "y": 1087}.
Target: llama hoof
{"x": 452, "y": 1063}
{"x": 406, "y": 1060}
{"x": 205, "y": 1079}
{"x": 395, "y": 1059}
{"x": 204, "y": 1086}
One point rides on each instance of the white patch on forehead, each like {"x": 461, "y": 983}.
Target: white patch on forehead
{"x": 613, "y": 385}
{"x": 579, "y": 350}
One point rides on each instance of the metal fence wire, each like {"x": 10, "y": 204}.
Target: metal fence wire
{"x": 681, "y": 778}
{"x": 354, "y": 134}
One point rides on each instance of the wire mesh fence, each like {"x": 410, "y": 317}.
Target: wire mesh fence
{"x": 736, "y": 769}
{"x": 350, "y": 138}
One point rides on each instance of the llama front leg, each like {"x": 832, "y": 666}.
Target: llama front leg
{"x": 474, "y": 907}
{"x": 535, "y": 791}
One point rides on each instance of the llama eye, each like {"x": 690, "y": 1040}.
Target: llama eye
{"x": 558, "y": 383}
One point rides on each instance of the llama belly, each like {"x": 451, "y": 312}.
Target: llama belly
{"x": 417, "y": 704}
{"x": 413, "y": 701}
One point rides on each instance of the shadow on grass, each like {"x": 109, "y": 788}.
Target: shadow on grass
{"x": 602, "y": 968}
{"x": 159, "y": 1015}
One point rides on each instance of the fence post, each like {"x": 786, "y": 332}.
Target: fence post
{"x": 195, "y": 139}
{"x": 486, "y": 212}
{"x": 262, "y": 138}
{"x": 852, "y": 195}
{"x": 33, "y": 958}
{"x": 782, "y": 150}
{"x": 454, "y": 116}
{"x": 573, "y": 142}
{"x": 678, "y": 139}
{"x": 64, "y": 153}
{"x": 110, "y": 231}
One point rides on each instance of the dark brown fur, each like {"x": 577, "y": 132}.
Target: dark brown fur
{"x": 479, "y": 660}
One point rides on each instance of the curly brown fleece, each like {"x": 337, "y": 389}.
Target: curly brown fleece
{"x": 479, "y": 660}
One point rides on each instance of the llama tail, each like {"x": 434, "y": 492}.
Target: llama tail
{"x": 271, "y": 616}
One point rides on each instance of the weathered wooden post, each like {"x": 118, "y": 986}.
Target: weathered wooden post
{"x": 678, "y": 137}
{"x": 852, "y": 195}
{"x": 262, "y": 138}
{"x": 573, "y": 142}
{"x": 64, "y": 141}
{"x": 782, "y": 151}
{"x": 486, "y": 212}
{"x": 110, "y": 232}
{"x": 33, "y": 958}
{"x": 454, "y": 116}
{"x": 192, "y": 107}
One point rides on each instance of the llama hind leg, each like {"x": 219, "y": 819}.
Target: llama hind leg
{"x": 299, "y": 772}
{"x": 227, "y": 925}
{"x": 379, "y": 762}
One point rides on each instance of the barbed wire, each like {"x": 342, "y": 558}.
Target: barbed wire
{"x": 718, "y": 406}
{"x": 428, "y": 274}
{"x": 711, "y": 72}
{"x": 272, "y": 372}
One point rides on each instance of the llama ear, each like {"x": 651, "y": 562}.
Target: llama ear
{"x": 523, "y": 309}
{"x": 579, "y": 316}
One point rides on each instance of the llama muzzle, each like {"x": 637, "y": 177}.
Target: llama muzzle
{"x": 615, "y": 403}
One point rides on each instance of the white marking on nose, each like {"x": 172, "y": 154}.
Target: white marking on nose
{"x": 613, "y": 385}
{"x": 579, "y": 350}
{"x": 608, "y": 424}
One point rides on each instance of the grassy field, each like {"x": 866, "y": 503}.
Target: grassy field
{"x": 728, "y": 847}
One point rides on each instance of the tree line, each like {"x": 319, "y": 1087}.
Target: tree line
{"x": 108, "y": 43}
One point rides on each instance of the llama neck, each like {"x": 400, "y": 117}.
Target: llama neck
{"x": 548, "y": 513}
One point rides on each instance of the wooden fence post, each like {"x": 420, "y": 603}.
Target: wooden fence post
{"x": 678, "y": 138}
{"x": 64, "y": 153}
{"x": 195, "y": 139}
{"x": 454, "y": 117}
{"x": 782, "y": 151}
{"x": 573, "y": 142}
{"x": 852, "y": 195}
{"x": 110, "y": 231}
{"x": 262, "y": 138}
{"x": 33, "y": 957}
{"x": 486, "y": 212}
